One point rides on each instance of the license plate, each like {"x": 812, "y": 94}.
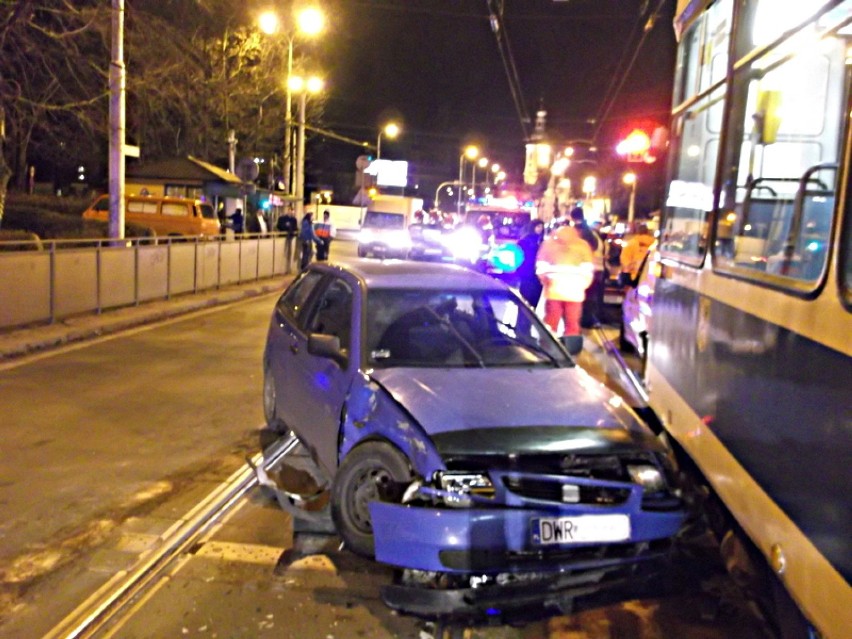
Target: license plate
{"x": 580, "y": 529}
{"x": 613, "y": 299}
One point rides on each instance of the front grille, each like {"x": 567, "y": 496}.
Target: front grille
{"x": 549, "y": 490}
{"x": 604, "y": 467}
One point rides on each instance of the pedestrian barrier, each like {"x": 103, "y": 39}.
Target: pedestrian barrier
{"x": 56, "y": 279}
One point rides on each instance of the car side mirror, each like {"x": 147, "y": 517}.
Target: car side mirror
{"x": 572, "y": 343}
{"x": 323, "y": 345}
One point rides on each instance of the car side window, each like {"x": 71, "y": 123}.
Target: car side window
{"x": 333, "y": 313}
{"x": 292, "y": 304}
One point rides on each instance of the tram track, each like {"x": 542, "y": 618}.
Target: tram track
{"x": 108, "y": 604}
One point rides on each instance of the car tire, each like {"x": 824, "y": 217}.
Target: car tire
{"x": 362, "y": 251}
{"x": 372, "y": 471}
{"x": 270, "y": 403}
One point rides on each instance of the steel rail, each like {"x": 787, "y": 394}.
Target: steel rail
{"x": 105, "y": 605}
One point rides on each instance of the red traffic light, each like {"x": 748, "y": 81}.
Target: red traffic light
{"x": 636, "y": 143}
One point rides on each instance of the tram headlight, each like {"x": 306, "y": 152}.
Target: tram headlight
{"x": 647, "y": 476}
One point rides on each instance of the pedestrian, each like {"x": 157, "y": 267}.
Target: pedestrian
{"x": 287, "y": 226}
{"x": 594, "y": 294}
{"x": 237, "y": 221}
{"x": 564, "y": 265}
{"x": 326, "y": 233}
{"x": 633, "y": 254}
{"x": 307, "y": 239}
{"x": 528, "y": 283}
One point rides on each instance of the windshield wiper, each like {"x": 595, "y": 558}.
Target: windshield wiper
{"x": 470, "y": 347}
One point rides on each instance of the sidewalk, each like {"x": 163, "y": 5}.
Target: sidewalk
{"x": 16, "y": 343}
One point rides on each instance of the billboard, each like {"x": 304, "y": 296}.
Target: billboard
{"x": 389, "y": 172}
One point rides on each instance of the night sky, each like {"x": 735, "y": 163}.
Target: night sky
{"x": 435, "y": 66}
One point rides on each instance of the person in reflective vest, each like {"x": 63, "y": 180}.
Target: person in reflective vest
{"x": 564, "y": 266}
{"x": 594, "y": 294}
{"x": 325, "y": 232}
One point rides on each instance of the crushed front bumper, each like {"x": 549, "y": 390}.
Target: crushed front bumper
{"x": 500, "y": 539}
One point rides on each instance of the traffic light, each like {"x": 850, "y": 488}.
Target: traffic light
{"x": 635, "y": 146}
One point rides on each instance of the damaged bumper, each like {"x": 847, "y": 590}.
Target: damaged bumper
{"x": 505, "y": 539}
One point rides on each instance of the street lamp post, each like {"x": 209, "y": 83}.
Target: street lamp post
{"x": 630, "y": 180}
{"x": 309, "y": 21}
{"x": 303, "y": 87}
{"x": 391, "y": 130}
{"x": 483, "y": 162}
{"x": 471, "y": 153}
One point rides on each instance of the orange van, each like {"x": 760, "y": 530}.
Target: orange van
{"x": 165, "y": 215}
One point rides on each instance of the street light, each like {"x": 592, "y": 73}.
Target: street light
{"x": 302, "y": 86}
{"x": 471, "y": 153}
{"x": 630, "y": 180}
{"x": 391, "y": 129}
{"x": 483, "y": 162}
{"x": 309, "y": 21}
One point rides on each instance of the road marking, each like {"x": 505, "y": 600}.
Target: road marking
{"x": 244, "y": 553}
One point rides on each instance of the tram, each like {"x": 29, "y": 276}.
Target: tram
{"x": 749, "y": 365}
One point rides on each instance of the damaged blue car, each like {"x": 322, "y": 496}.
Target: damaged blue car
{"x": 460, "y": 441}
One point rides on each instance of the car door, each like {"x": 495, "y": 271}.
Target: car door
{"x": 288, "y": 322}
{"x": 321, "y": 383}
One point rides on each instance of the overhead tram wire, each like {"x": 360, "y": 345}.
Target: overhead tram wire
{"x": 609, "y": 100}
{"x": 498, "y": 27}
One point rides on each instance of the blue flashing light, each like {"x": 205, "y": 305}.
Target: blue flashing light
{"x": 813, "y": 246}
{"x": 265, "y": 205}
{"x": 492, "y": 612}
{"x": 506, "y": 258}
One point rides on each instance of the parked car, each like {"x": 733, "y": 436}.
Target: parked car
{"x": 461, "y": 441}
{"x": 171, "y": 216}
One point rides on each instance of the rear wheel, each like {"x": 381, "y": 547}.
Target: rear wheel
{"x": 270, "y": 403}
{"x": 362, "y": 251}
{"x": 374, "y": 471}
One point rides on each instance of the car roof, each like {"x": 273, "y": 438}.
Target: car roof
{"x": 413, "y": 275}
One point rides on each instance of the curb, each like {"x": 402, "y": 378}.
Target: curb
{"x": 21, "y": 342}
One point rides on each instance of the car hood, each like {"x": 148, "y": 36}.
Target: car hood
{"x": 446, "y": 400}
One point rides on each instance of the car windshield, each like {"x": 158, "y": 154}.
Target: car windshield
{"x": 431, "y": 328}
{"x": 379, "y": 220}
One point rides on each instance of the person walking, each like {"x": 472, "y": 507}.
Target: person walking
{"x": 287, "y": 226}
{"x": 594, "y": 294}
{"x": 325, "y": 232}
{"x": 307, "y": 239}
{"x": 564, "y": 265}
{"x": 528, "y": 283}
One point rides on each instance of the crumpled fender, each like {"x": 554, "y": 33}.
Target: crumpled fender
{"x": 370, "y": 413}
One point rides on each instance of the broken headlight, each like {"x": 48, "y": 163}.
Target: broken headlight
{"x": 649, "y": 477}
{"x": 461, "y": 486}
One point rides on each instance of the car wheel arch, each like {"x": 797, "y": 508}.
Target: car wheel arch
{"x": 385, "y": 420}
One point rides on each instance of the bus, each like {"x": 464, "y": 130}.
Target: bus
{"x": 749, "y": 366}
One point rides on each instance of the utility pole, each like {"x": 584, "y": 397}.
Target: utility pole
{"x": 117, "y": 123}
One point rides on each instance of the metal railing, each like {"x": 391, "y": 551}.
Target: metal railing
{"x": 47, "y": 280}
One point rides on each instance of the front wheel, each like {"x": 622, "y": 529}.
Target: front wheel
{"x": 374, "y": 471}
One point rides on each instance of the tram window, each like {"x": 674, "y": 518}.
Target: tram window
{"x": 690, "y": 193}
{"x": 776, "y": 220}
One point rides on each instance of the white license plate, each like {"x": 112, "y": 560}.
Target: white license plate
{"x": 613, "y": 299}
{"x": 580, "y": 529}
